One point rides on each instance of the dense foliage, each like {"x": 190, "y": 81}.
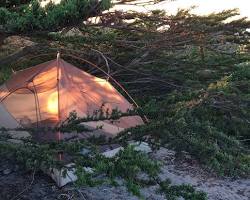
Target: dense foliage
{"x": 13, "y": 3}
{"x": 29, "y": 15}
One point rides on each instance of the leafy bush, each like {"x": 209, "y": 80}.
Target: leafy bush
{"x": 174, "y": 192}
{"x": 3, "y": 15}
{"x": 242, "y": 72}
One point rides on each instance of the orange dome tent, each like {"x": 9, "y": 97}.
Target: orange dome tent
{"x": 44, "y": 95}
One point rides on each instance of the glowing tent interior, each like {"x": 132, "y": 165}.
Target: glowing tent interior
{"x": 44, "y": 95}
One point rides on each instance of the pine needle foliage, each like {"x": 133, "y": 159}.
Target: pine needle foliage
{"x": 30, "y": 16}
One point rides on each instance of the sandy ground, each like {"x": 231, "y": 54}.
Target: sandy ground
{"x": 181, "y": 171}
{"x": 188, "y": 171}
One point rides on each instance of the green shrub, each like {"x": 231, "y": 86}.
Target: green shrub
{"x": 174, "y": 192}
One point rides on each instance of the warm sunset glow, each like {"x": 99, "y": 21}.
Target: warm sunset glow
{"x": 45, "y": 2}
{"x": 101, "y": 82}
{"x": 202, "y": 7}
{"x": 52, "y": 104}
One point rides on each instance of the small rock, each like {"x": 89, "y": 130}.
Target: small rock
{"x": 15, "y": 141}
{"x": 19, "y": 134}
{"x": 18, "y": 41}
{"x": 88, "y": 170}
{"x": 112, "y": 153}
{"x": 7, "y": 171}
{"x": 141, "y": 146}
{"x": 71, "y": 33}
{"x": 205, "y": 74}
{"x": 85, "y": 151}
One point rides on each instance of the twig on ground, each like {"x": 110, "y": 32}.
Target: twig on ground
{"x": 27, "y": 188}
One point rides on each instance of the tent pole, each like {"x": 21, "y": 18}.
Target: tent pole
{"x": 58, "y": 86}
{"x": 60, "y": 153}
{"x": 58, "y": 93}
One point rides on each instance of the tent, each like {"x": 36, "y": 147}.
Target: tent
{"x": 44, "y": 96}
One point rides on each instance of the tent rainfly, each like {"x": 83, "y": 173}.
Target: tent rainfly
{"x": 44, "y": 95}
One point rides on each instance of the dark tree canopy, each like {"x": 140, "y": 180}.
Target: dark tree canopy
{"x": 23, "y": 16}
{"x": 13, "y": 3}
